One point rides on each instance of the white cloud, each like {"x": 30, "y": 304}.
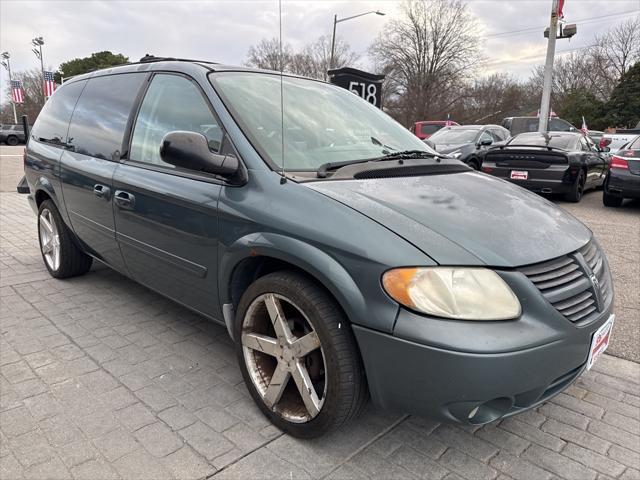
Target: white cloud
{"x": 223, "y": 30}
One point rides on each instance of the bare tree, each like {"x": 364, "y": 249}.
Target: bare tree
{"x": 492, "y": 98}
{"x": 266, "y": 54}
{"x": 613, "y": 54}
{"x": 427, "y": 54}
{"x": 312, "y": 61}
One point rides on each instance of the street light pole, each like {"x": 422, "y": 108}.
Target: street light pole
{"x": 38, "y": 42}
{"x": 543, "y": 122}
{"x": 336, "y": 21}
{"x": 7, "y": 65}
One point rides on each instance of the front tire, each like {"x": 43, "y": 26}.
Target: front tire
{"x": 60, "y": 254}
{"x": 578, "y": 188}
{"x": 12, "y": 141}
{"x": 297, "y": 355}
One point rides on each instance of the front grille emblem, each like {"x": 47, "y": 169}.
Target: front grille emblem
{"x": 596, "y": 289}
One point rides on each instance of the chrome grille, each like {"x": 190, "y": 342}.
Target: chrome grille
{"x": 566, "y": 282}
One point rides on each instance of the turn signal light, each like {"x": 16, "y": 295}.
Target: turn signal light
{"x": 619, "y": 162}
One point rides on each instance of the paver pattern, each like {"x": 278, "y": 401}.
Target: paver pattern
{"x": 101, "y": 378}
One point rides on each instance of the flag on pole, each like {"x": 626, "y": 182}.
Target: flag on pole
{"x": 17, "y": 92}
{"x": 584, "y": 128}
{"x": 560, "y": 8}
{"x": 49, "y": 84}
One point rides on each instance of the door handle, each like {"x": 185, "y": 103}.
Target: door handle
{"x": 124, "y": 199}
{"x": 101, "y": 191}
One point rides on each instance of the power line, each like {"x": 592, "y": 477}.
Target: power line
{"x": 579, "y": 22}
{"x": 537, "y": 55}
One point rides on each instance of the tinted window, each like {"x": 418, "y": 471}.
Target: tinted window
{"x": 567, "y": 142}
{"x": 558, "y": 125}
{"x": 428, "y": 129}
{"x": 100, "y": 118}
{"x": 171, "y": 103}
{"x": 52, "y": 123}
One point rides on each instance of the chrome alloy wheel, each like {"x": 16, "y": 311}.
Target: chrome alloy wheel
{"x": 279, "y": 342}
{"x": 49, "y": 239}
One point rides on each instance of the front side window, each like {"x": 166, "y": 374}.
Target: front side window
{"x": 100, "y": 118}
{"x": 171, "y": 103}
{"x": 485, "y": 136}
{"x": 53, "y": 122}
{"x": 322, "y": 123}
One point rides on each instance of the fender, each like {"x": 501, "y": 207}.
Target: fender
{"x": 307, "y": 257}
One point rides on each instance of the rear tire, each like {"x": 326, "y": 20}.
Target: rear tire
{"x": 60, "y": 254}
{"x": 273, "y": 370}
{"x": 12, "y": 141}
{"x": 577, "y": 189}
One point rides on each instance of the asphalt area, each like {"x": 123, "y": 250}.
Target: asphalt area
{"x": 617, "y": 229}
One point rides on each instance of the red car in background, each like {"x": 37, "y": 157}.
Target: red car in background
{"x": 425, "y": 129}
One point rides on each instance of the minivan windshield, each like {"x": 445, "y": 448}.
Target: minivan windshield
{"x": 322, "y": 123}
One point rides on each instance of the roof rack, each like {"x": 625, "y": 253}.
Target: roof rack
{"x": 152, "y": 58}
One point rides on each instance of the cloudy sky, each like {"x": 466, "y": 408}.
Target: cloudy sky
{"x": 222, "y": 30}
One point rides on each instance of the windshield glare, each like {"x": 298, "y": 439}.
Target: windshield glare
{"x": 322, "y": 123}
{"x": 452, "y": 137}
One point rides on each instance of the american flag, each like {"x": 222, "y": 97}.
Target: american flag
{"x": 17, "y": 93}
{"x": 49, "y": 84}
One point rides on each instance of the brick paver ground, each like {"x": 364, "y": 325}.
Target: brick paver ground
{"x": 101, "y": 378}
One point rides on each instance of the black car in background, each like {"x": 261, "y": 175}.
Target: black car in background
{"x": 517, "y": 125}
{"x": 554, "y": 162}
{"x": 11, "y": 134}
{"x": 623, "y": 177}
{"x": 468, "y": 142}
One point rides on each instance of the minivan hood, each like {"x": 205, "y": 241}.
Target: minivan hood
{"x": 464, "y": 218}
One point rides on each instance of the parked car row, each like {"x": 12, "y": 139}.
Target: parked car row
{"x": 563, "y": 161}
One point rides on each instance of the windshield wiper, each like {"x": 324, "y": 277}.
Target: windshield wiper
{"x": 401, "y": 155}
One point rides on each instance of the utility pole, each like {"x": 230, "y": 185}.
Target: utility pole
{"x": 7, "y": 65}
{"x": 543, "y": 122}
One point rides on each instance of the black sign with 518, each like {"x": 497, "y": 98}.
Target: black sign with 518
{"x": 364, "y": 84}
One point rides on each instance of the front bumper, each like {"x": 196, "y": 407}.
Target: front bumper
{"x": 448, "y": 384}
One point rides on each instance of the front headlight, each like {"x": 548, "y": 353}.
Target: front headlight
{"x": 458, "y": 293}
{"x": 455, "y": 154}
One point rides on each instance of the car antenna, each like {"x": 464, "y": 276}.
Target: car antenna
{"x": 283, "y": 180}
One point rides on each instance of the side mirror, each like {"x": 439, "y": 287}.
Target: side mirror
{"x": 485, "y": 142}
{"x": 190, "y": 150}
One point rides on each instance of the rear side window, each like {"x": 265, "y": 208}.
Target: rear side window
{"x": 171, "y": 103}
{"x": 53, "y": 122}
{"x": 100, "y": 118}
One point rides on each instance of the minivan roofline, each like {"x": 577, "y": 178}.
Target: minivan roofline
{"x": 180, "y": 65}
